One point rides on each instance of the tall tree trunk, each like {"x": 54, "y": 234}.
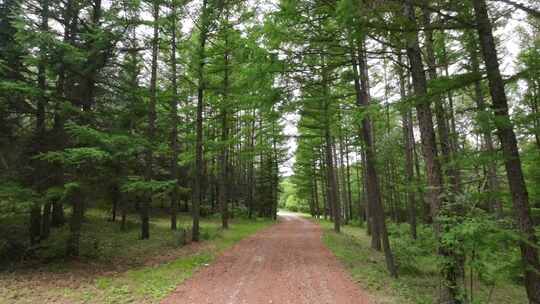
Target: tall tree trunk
{"x": 115, "y": 195}
{"x": 42, "y": 80}
{"x": 94, "y": 62}
{"x": 76, "y": 197}
{"x": 175, "y": 148}
{"x": 149, "y": 175}
{"x": 324, "y": 188}
{"x": 199, "y": 157}
{"x": 332, "y": 193}
{"x": 535, "y": 100}
{"x": 223, "y": 158}
{"x": 35, "y": 223}
{"x": 448, "y": 164}
{"x": 454, "y": 138}
{"x": 426, "y": 208}
{"x": 58, "y": 217}
{"x": 408, "y": 138}
{"x": 494, "y": 201}
{"x": 361, "y": 190}
{"x": 449, "y": 291}
{"x": 123, "y": 212}
{"x": 38, "y": 176}
{"x": 251, "y": 166}
{"x": 46, "y": 220}
{"x": 348, "y": 179}
{"x": 342, "y": 172}
{"x": 275, "y": 172}
{"x": 361, "y": 85}
{"x": 214, "y": 184}
{"x": 371, "y": 227}
{"x": 316, "y": 192}
{"x": 331, "y": 176}
{"x": 223, "y": 169}
{"x": 512, "y": 162}
{"x": 63, "y": 84}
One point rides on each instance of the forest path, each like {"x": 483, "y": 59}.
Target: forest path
{"x": 284, "y": 264}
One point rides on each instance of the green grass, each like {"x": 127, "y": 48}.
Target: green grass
{"x": 118, "y": 267}
{"x": 103, "y": 241}
{"x": 150, "y": 284}
{"x": 419, "y": 285}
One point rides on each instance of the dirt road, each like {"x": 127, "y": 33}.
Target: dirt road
{"x": 284, "y": 264}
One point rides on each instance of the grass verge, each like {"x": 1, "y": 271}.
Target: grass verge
{"x": 122, "y": 269}
{"x": 419, "y": 285}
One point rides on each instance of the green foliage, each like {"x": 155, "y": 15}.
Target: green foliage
{"x": 15, "y": 199}
{"x": 54, "y": 193}
{"x": 531, "y": 164}
{"x": 419, "y": 268}
{"x": 289, "y": 199}
{"x": 489, "y": 247}
{"x": 139, "y": 186}
{"x": 410, "y": 253}
{"x": 76, "y": 157}
{"x": 75, "y": 118}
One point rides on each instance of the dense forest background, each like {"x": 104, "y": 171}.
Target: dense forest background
{"x": 114, "y": 105}
{"x": 406, "y": 125}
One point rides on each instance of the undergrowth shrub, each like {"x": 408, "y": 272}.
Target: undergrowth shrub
{"x": 13, "y": 244}
{"x": 240, "y": 211}
{"x": 408, "y": 252}
{"x": 489, "y": 246}
{"x": 55, "y": 246}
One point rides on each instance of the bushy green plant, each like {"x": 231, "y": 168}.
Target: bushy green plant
{"x": 54, "y": 247}
{"x": 295, "y": 204}
{"x": 208, "y": 234}
{"x": 408, "y": 251}
{"x": 13, "y": 241}
{"x": 15, "y": 199}
{"x": 489, "y": 246}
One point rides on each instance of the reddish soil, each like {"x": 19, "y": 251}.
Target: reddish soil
{"x": 284, "y": 264}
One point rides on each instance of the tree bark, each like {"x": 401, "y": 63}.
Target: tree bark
{"x": 371, "y": 227}
{"x": 251, "y": 166}
{"x": 449, "y": 291}
{"x": 37, "y": 177}
{"x": 331, "y": 177}
{"x": 149, "y": 175}
{"x": 316, "y": 192}
{"x": 175, "y": 148}
{"x": 361, "y": 84}
{"x": 348, "y": 179}
{"x": 342, "y": 173}
{"x": 76, "y": 197}
{"x": 333, "y": 197}
{"x": 46, "y": 220}
{"x": 115, "y": 198}
{"x": 199, "y": 157}
{"x": 512, "y": 162}
{"x": 494, "y": 202}
{"x": 449, "y": 167}
{"x": 324, "y": 187}
{"x": 408, "y": 138}
{"x": 275, "y": 172}
{"x": 223, "y": 158}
